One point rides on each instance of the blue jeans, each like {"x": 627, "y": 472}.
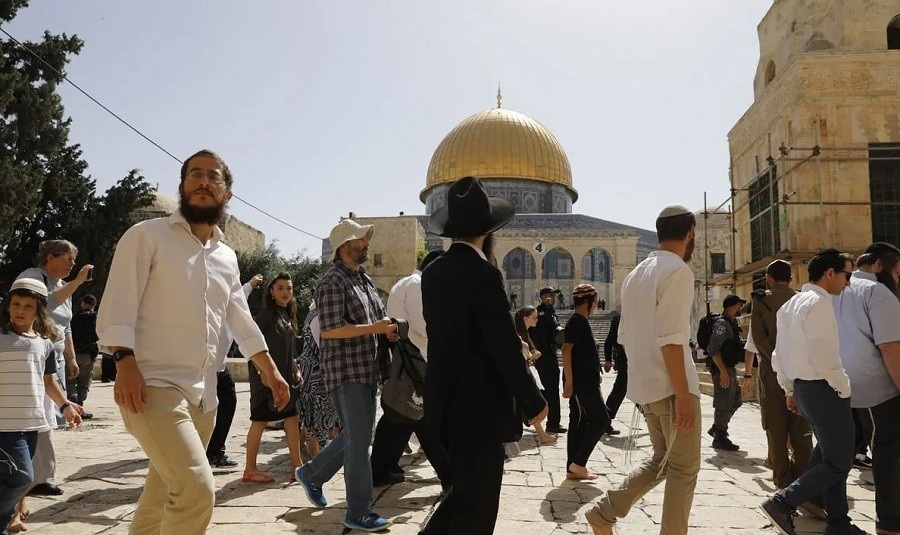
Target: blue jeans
{"x": 16, "y": 473}
{"x": 356, "y": 406}
{"x": 832, "y": 422}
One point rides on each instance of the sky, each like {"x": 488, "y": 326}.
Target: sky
{"x": 321, "y": 108}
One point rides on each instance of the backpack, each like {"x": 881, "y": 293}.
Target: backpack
{"x": 402, "y": 393}
{"x": 704, "y": 330}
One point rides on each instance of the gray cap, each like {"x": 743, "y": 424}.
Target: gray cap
{"x": 673, "y": 210}
{"x": 33, "y": 285}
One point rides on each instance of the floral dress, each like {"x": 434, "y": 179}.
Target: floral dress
{"x": 314, "y": 403}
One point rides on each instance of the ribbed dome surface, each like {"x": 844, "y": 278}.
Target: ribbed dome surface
{"x": 499, "y": 143}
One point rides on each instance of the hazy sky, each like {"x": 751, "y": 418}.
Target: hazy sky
{"x": 325, "y": 107}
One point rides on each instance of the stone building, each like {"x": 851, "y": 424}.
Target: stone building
{"x": 815, "y": 161}
{"x": 711, "y": 262}
{"x": 238, "y": 235}
{"x": 520, "y": 160}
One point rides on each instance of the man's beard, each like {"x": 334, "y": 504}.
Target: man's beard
{"x": 689, "y": 251}
{"x": 488, "y": 249}
{"x": 205, "y": 215}
{"x": 886, "y": 278}
{"x": 362, "y": 256}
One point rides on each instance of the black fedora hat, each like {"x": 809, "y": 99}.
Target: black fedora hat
{"x": 469, "y": 211}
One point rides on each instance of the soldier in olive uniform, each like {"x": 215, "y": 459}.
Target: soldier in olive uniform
{"x": 781, "y": 425}
{"x": 725, "y": 350}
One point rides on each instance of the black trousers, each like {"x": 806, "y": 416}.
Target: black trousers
{"x": 390, "y": 441}
{"x": 886, "y": 464}
{"x": 862, "y": 421}
{"x": 620, "y": 387}
{"x": 548, "y": 370}
{"x": 588, "y": 420}
{"x": 224, "y": 415}
{"x": 471, "y": 506}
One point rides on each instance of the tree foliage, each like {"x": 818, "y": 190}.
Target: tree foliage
{"x": 45, "y": 191}
{"x": 305, "y": 273}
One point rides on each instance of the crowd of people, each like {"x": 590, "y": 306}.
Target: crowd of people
{"x": 174, "y": 308}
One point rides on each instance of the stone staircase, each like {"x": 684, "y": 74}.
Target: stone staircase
{"x": 599, "y": 322}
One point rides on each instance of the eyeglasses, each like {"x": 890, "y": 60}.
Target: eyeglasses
{"x": 68, "y": 256}
{"x": 213, "y": 177}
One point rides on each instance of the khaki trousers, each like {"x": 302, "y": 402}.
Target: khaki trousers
{"x": 179, "y": 493}
{"x": 782, "y": 428}
{"x": 679, "y": 473}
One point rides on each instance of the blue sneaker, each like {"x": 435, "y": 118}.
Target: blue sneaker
{"x": 371, "y": 522}
{"x": 313, "y": 492}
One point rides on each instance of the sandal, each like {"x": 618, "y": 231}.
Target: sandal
{"x": 255, "y": 476}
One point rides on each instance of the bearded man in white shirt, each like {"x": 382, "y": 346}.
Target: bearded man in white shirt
{"x": 808, "y": 365}
{"x": 173, "y": 287}
{"x": 657, "y": 298}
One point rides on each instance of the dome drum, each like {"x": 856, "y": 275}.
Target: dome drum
{"x": 527, "y": 196}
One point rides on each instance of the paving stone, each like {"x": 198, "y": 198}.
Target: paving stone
{"x": 102, "y": 470}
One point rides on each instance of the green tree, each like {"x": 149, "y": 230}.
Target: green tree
{"x": 45, "y": 192}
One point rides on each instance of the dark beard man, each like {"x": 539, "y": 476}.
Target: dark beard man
{"x": 206, "y": 215}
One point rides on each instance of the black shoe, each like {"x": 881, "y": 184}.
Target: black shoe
{"x": 862, "y": 461}
{"x": 846, "y": 529}
{"x": 714, "y": 430}
{"x": 222, "y": 461}
{"x": 611, "y": 431}
{"x": 722, "y": 442}
{"x": 45, "y": 489}
{"x": 556, "y": 429}
{"x": 87, "y": 416}
{"x": 780, "y": 515}
{"x": 390, "y": 479}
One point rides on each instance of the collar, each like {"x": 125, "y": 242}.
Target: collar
{"x": 815, "y": 288}
{"x": 860, "y": 274}
{"x": 477, "y": 250}
{"x": 661, "y": 253}
{"x": 417, "y": 272}
{"x": 177, "y": 219}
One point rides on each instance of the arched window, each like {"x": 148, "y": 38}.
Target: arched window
{"x": 893, "y": 34}
{"x": 770, "y": 72}
{"x": 596, "y": 266}
{"x": 558, "y": 264}
{"x": 518, "y": 264}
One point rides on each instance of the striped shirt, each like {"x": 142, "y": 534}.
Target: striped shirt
{"x": 24, "y": 360}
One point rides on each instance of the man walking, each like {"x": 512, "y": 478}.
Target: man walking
{"x": 84, "y": 339}
{"x": 725, "y": 350}
{"x": 657, "y": 297}
{"x": 614, "y": 352}
{"x": 868, "y": 315}
{"x": 807, "y": 363}
{"x": 172, "y": 287}
{"x": 544, "y": 337}
{"x": 392, "y": 437}
{"x": 478, "y": 387}
{"x": 355, "y": 358}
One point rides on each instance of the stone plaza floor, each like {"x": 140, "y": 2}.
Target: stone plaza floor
{"x": 101, "y": 468}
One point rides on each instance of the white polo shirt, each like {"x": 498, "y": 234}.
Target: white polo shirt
{"x": 405, "y": 302}
{"x": 657, "y": 297}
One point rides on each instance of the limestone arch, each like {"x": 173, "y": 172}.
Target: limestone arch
{"x": 893, "y": 34}
{"x": 519, "y": 264}
{"x": 596, "y": 266}
{"x": 558, "y": 264}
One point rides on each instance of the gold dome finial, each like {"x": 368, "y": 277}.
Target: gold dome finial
{"x": 499, "y": 96}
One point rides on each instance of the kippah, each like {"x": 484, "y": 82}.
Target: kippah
{"x": 673, "y": 210}
{"x": 881, "y": 247}
{"x": 584, "y": 290}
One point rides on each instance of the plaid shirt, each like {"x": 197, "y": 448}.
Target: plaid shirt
{"x": 347, "y": 297}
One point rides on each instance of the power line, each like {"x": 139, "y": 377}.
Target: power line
{"x": 138, "y": 132}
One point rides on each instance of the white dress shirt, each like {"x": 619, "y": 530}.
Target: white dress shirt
{"x": 806, "y": 346}
{"x": 225, "y": 338}
{"x": 405, "y": 302}
{"x": 657, "y": 297}
{"x": 168, "y": 296}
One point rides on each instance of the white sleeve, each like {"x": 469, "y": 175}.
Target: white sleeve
{"x": 239, "y": 321}
{"x": 674, "y": 297}
{"x": 780, "y": 351}
{"x": 128, "y": 276}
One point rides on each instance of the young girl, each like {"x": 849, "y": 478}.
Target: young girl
{"x": 27, "y": 371}
{"x": 526, "y": 318}
{"x": 588, "y": 416}
{"x": 278, "y": 323}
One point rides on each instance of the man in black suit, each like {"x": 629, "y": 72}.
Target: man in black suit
{"x": 478, "y": 387}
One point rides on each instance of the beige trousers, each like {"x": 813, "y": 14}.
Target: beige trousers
{"x": 679, "y": 473}
{"x": 179, "y": 493}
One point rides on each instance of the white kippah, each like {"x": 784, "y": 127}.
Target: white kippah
{"x": 673, "y": 210}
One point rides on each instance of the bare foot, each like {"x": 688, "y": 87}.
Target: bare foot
{"x": 22, "y": 510}
{"x": 16, "y": 525}
{"x": 547, "y": 440}
{"x": 597, "y": 524}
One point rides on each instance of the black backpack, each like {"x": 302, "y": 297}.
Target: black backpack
{"x": 704, "y": 330}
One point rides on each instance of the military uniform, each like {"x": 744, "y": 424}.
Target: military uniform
{"x": 544, "y": 335}
{"x": 724, "y": 342}
{"x": 781, "y": 425}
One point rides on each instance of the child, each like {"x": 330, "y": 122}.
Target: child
{"x": 588, "y": 416}
{"x": 27, "y": 372}
{"x": 526, "y": 318}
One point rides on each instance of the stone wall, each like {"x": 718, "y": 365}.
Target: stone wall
{"x": 713, "y": 235}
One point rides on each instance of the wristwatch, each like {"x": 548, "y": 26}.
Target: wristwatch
{"x": 122, "y": 353}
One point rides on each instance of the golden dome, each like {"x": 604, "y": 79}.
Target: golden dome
{"x": 499, "y": 143}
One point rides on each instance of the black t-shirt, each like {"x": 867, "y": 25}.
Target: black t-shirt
{"x": 585, "y": 358}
